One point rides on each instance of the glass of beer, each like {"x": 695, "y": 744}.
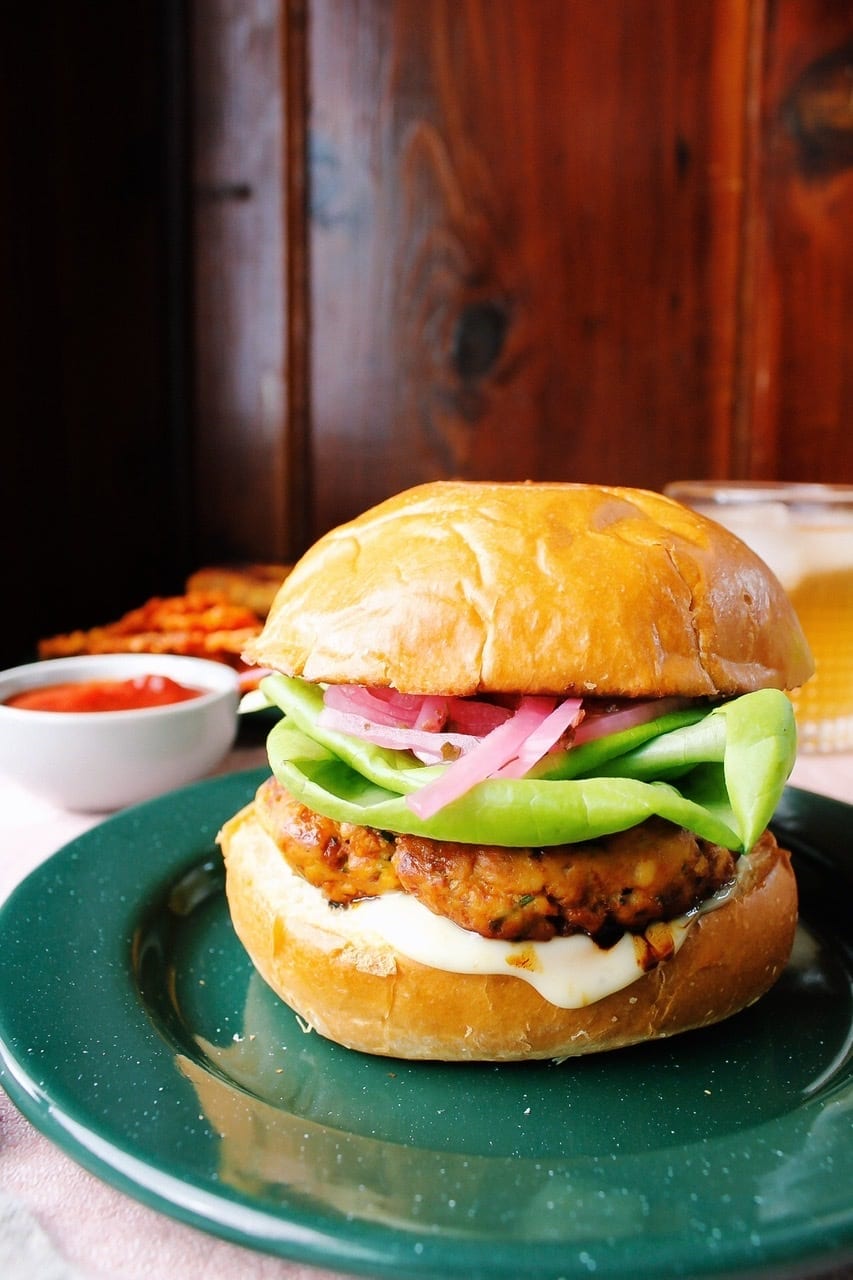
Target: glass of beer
{"x": 804, "y": 532}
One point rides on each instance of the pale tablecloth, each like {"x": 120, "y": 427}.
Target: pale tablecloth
{"x": 58, "y": 1222}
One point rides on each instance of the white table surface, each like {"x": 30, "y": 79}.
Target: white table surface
{"x": 58, "y": 1222}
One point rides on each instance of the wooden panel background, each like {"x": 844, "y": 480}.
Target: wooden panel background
{"x": 797, "y": 408}
{"x": 240, "y": 234}
{"x": 525, "y": 218}
{"x": 267, "y": 261}
{"x": 549, "y": 238}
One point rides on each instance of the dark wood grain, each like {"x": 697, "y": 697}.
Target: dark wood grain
{"x": 799, "y": 402}
{"x": 524, "y": 241}
{"x": 239, "y": 303}
{"x": 407, "y": 240}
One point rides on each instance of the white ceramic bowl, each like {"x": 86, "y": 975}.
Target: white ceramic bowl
{"x": 98, "y": 761}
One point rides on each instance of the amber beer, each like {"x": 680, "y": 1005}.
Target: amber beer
{"x": 824, "y": 706}
{"x": 805, "y": 534}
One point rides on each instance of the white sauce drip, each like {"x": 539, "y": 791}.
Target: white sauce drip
{"x": 567, "y": 972}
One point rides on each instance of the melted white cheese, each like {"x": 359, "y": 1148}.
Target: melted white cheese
{"x": 567, "y": 972}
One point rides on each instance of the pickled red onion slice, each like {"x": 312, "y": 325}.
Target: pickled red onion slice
{"x": 542, "y": 739}
{"x": 428, "y": 746}
{"x": 473, "y": 716}
{"x": 483, "y": 760}
{"x": 432, "y": 714}
{"x": 481, "y": 738}
{"x": 626, "y": 717}
{"x": 378, "y": 706}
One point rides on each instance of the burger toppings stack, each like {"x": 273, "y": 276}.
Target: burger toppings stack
{"x": 532, "y": 736}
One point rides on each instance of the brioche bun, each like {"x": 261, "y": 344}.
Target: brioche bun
{"x": 626, "y": 594}
{"x": 365, "y": 995}
{"x": 458, "y": 588}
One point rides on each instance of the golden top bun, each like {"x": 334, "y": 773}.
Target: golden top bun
{"x": 458, "y": 588}
{"x": 373, "y": 999}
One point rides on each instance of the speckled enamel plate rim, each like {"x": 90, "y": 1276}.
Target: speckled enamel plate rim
{"x": 102, "y": 1079}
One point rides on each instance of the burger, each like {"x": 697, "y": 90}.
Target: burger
{"x": 532, "y": 736}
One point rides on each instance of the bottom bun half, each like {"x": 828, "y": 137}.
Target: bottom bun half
{"x": 362, "y": 993}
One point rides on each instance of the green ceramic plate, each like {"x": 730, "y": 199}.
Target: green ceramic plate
{"x": 134, "y": 1033}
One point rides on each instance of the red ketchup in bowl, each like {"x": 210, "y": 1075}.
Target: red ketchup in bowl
{"x": 104, "y": 695}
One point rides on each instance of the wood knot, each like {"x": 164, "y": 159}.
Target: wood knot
{"x": 478, "y": 339}
{"x": 818, "y": 115}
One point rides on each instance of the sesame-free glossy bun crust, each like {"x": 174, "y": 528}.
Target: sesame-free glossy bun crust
{"x": 458, "y": 587}
{"x": 367, "y": 996}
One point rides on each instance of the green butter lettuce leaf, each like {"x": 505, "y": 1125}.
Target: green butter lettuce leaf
{"x": 671, "y": 753}
{"x": 719, "y": 772}
{"x": 522, "y": 812}
{"x": 761, "y": 747}
{"x": 590, "y": 758}
{"x": 751, "y": 740}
